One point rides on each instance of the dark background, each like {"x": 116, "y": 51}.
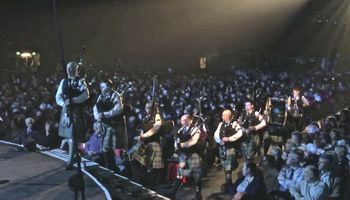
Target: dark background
{"x": 155, "y": 34}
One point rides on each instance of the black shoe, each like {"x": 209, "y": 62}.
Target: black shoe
{"x": 198, "y": 196}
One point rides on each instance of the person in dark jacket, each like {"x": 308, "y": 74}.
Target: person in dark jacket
{"x": 251, "y": 185}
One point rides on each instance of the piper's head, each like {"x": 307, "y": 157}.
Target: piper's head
{"x": 249, "y": 106}
{"x": 72, "y": 69}
{"x": 106, "y": 87}
{"x": 226, "y": 116}
{"x": 186, "y": 120}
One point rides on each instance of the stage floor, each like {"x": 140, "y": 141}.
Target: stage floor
{"x": 36, "y": 176}
{"x": 33, "y": 176}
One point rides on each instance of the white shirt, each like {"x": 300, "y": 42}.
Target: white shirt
{"x": 244, "y": 184}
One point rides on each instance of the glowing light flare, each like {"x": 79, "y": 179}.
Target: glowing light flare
{"x": 26, "y": 55}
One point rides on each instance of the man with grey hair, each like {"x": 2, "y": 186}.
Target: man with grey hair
{"x": 71, "y": 95}
{"x": 311, "y": 187}
{"x": 333, "y": 182}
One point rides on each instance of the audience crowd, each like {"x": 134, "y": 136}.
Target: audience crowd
{"x": 312, "y": 164}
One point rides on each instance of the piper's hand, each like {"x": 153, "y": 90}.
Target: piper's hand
{"x": 222, "y": 142}
{"x": 142, "y": 136}
{"x": 175, "y": 155}
{"x": 66, "y": 102}
{"x": 157, "y": 123}
{"x": 238, "y": 196}
{"x": 225, "y": 139}
{"x": 183, "y": 145}
{"x": 252, "y": 128}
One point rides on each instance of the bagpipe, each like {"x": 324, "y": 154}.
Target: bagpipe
{"x": 154, "y": 115}
{"x": 228, "y": 131}
{"x": 197, "y": 125}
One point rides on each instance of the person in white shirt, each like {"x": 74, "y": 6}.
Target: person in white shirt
{"x": 311, "y": 188}
{"x": 226, "y": 135}
{"x": 71, "y": 95}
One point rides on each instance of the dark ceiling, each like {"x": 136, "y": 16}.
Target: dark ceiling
{"x": 152, "y": 33}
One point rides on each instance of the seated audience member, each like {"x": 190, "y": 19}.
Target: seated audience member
{"x": 342, "y": 162}
{"x": 310, "y": 157}
{"x": 15, "y": 134}
{"x": 297, "y": 138}
{"x": 288, "y": 147}
{"x": 310, "y": 187}
{"x": 47, "y": 139}
{"x": 27, "y": 139}
{"x": 327, "y": 176}
{"x": 251, "y": 185}
{"x": 290, "y": 174}
{"x": 93, "y": 146}
{"x": 270, "y": 172}
{"x": 276, "y": 152}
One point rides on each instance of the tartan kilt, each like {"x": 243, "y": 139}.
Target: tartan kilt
{"x": 230, "y": 162}
{"x": 65, "y": 128}
{"x": 248, "y": 146}
{"x": 193, "y": 166}
{"x": 113, "y": 136}
{"x": 153, "y": 157}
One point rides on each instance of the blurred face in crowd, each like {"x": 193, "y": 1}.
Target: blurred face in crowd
{"x": 97, "y": 127}
{"x": 226, "y": 116}
{"x": 185, "y": 121}
{"x": 148, "y": 107}
{"x": 308, "y": 173}
{"x": 248, "y": 106}
{"x": 323, "y": 164}
{"x": 289, "y": 147}
{"x": 295, "y": 139}
{"x": 293, "y": 159}
{"x": 29, "y": 123}
{"x": 275, "y": 152}
{"x": 105, "y": 88}
{"x": 340, "y": 151}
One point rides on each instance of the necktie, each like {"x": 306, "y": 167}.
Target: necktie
{"x": 29, "y": 131}
{"x": 291, "y": 174}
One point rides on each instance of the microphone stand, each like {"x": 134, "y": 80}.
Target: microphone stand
{"x": 76, "y": 182}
